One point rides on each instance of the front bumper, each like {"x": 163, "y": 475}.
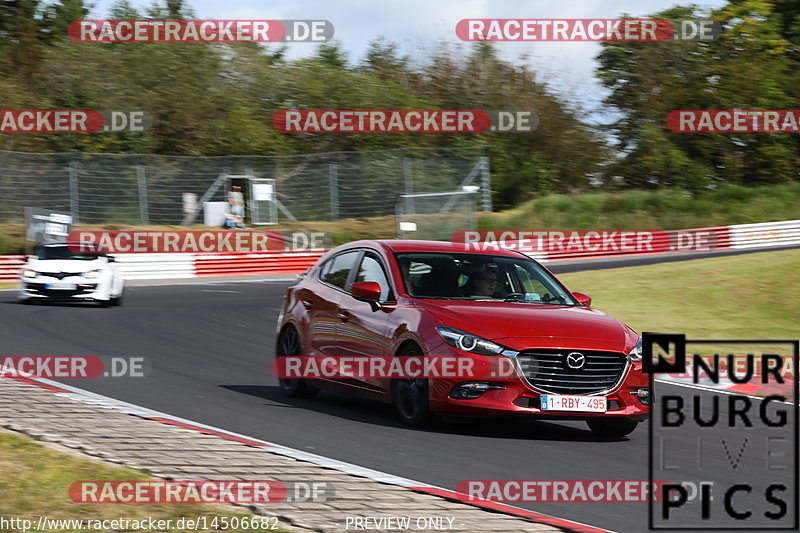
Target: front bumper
{"x": 84, "y": 291}
{"x": 514, "y": 395}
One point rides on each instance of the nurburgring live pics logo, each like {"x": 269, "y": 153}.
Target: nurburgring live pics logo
{"x": 741, "y": 450}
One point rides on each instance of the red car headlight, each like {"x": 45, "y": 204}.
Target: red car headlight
{"x": 636, "y": 353}
{"x": 468, "y": 342}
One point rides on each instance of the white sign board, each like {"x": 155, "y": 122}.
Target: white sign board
{"x": 262, "y": 192}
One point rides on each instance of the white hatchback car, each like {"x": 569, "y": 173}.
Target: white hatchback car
{"x": 57, "y": 273}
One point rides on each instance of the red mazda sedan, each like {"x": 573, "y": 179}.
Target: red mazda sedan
{"x": 402, "y": 298}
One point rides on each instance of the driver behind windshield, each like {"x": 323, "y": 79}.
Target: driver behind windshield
{"x": 484, "y": 283}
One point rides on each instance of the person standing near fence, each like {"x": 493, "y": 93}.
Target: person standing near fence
{"x": 236, "y": 195}
{"x": 234, "y": 215}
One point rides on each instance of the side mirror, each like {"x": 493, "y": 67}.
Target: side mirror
{"x": 583, "y": 299}
{"x": 368, "y": 291}
{"x": 110, "y": 259}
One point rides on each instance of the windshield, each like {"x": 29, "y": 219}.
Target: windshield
{"x": 465, "y": 276}
{"x": 62, "y": 252}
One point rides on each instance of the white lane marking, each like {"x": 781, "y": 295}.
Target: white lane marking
{"x": 319, "y": 460}
{"x": 220, "y": 290}
{"x": 200, "y": 284}
{"x": 85, "y": 396}
{"x": 133, "y": 409}
{"x": 129, "y": 286}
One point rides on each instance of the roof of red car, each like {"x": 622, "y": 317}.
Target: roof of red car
{"x": 403, "y": 245}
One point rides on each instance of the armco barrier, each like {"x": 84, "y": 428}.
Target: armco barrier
{"x": 155, "y": 266}
{"x": 244, "y": 263}
{"x": 10, "y": 266}
{"x": 184, "y": 266}
{"x": 762, "y": 235}
{"x": 179, "y": 266}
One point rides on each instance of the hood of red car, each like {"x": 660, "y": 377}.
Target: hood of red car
{"x": 511, "y": 323}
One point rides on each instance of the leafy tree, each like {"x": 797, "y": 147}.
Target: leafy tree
{"x": 749, "y": 67}
{"x": 57, "y": 17}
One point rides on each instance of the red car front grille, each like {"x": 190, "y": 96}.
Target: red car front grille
{"x": 572, "y": 371}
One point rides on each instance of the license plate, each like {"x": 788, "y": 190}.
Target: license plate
{"x": 579, "y": 404}
{"x": 61, "y": 286}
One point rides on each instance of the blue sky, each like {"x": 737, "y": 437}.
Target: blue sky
{"x": 418, "y": 25}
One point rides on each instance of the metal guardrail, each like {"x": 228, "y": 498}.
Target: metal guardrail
{"x": 785, "y": 233}
{"x": 10, "y": 266}
{"x": 180, "y": 266}
{"x": 156, "y": 266}
{"x": 242, "y": 263}
{"x": 186, "y": 266}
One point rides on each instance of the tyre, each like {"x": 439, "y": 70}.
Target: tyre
{"x": 612, "y": 428}
{"x": 289, "y": 344}
{"x": 117, "y": 302}
{"x": 105, "y": 303}
{"x": 410, "y": 396}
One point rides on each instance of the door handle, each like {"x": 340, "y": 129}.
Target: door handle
{"x": 306, "y": 304}
{"x": 344, "y": 316}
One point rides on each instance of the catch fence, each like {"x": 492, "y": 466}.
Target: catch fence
{"x": 151, "y": 189}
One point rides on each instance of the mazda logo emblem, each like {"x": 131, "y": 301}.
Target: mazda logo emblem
{"x": 576, "y": 360}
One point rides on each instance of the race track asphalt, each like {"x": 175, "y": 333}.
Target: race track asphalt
{"x": 211, "y": 347}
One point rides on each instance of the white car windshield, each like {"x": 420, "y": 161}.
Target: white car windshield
{"x": 63, "y": 252}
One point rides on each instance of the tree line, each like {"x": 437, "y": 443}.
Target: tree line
{"x": 219, "y": 99}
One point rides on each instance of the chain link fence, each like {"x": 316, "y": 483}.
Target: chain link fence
{"x": 148, "y": 189}
{"x": 435, "y": 216}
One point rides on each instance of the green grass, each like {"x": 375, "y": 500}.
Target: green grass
{"x": 36, "y": 479}
{"x": 746, "y": 296}
{"x": 667, "y": 209}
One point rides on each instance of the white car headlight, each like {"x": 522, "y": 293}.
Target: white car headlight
{"x": 636, "y": 353}
{"x": 92, "y": 274}
{"x": 468, "y": 342}
{"x": 29, "y": 273}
